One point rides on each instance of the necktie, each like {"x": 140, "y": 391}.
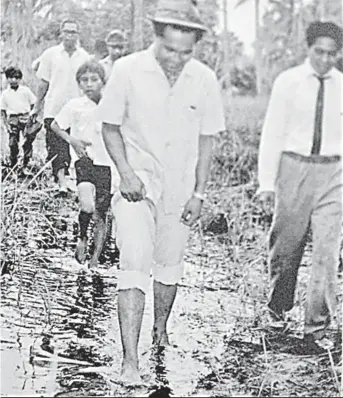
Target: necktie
{"x": 318, "y": 121}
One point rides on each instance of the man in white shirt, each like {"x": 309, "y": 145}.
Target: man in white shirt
{"x": 115, "y": 42}
{"x": 160, "y": 111}
{"x": 56, "y": 71}
{"x": 300, "y": 165}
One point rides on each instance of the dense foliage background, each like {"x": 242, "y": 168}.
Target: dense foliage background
{"x": 30, "y": 26}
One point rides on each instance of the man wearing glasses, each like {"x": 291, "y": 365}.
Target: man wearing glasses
{"x": 56, "y": 71}
{"x": 115, "y": 46}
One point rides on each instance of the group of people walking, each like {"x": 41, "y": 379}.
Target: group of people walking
{"x": 140, "y": 137}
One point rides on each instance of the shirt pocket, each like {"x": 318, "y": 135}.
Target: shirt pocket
{"x": 191, "y": 119}
{"x": 192, "y": 112}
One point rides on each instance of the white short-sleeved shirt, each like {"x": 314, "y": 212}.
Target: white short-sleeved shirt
{"x": 17, "y": 101}
{"x": 59, "y": 69}
{"x": 80, "y": 115}
{"x": 161, "y": 125}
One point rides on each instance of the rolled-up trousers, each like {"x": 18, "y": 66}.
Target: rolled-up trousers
{"x": 148, "y": 240}
{"x": 308, "y": 194}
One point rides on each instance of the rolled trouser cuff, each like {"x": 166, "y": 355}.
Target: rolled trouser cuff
{"x": 133, "y": 280}
{"x": 168, "y": 275}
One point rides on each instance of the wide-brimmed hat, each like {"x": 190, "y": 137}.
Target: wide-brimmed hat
{"x": 178, "y": 12}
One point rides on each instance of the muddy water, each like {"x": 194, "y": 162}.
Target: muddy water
{"x": 60, "y": 332}
{"x": 59, "y": 328}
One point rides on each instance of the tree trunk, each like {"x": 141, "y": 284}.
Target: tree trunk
{"x": 14, "y": 32}
{"x": 322, "y": 10}
{"x": 226, "y": 63}
{"x": 137, "y": 17}
{"x": 300, "y": 28}
{"x": 258, "y": 55}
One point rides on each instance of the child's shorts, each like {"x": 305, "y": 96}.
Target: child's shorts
{"x": 99, "y": 176}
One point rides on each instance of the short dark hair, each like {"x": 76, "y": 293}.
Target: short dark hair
{"x": 93, "y": 67}
{"x": 324, "y": 29}
{"x": 100, "y": 47}
{"x": 159, "y": 28}
{"x": 69, "y": 20}
{"x": 13, "y": 71}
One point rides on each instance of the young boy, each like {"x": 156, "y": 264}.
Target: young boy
{"x": 16, "y": 102}
{"x": 88, "y": 153}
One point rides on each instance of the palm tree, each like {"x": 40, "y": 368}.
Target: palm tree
{"x": 258, "y": 55}
{"x": 322, "y": 10}
{"x": 137, "y": 17}
{"x": 19, "y": 16}
{"x": 226, "y": 60}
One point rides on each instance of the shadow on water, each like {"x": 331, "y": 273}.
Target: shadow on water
{"x": 59, "y": 319}
{"x": 59, "y": 322}
{"x": 53, "y": 312}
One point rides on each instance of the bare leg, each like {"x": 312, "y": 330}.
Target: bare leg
{"x": 100, "y": 230}
{"x": 164, "y": 296}
{"x": 130, "y": 311}
{"x": 86, "y": 198}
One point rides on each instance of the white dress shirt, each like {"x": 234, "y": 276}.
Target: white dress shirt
{"x": 59, "y": 69}
{"x": 161, "y": 125}
{"x": 289, "y": 121}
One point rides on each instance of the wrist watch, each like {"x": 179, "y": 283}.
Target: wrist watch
{"x": 199, "y": 196}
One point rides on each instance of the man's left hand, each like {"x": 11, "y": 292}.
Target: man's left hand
{"x": 191, "y": 212}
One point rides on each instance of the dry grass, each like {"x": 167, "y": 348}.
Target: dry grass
{"x": 233, "y": 261}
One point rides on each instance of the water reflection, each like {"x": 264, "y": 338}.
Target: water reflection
{"x": 158, "y": 369}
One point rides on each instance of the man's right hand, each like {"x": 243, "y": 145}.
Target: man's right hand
{"x": 132, "y": 187}
{"x": 267, "y": 199}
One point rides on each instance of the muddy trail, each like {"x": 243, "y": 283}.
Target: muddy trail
{"x": 59, "y": 328}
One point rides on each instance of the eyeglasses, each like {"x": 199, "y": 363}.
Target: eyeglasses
{"x": 116, "y": 46}
{"x": 70, "y": 32}
{"x": 320, "y": 52}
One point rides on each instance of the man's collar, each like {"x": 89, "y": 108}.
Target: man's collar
{"x": 311, "y": 72}
{"x": 15, "y": 89}
{"x": 108, "y": 59}
{"x": 77, "y": 46}
{"x": 88, "y": 101}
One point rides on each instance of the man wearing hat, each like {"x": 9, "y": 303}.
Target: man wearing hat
{"x": 160, "y": 111}
{"x": 115, "y": 45}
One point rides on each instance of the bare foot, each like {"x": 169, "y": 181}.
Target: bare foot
{"x": 160, "y": 338}
{"x": 81, "y": 249}
{"x": 130, "y": 374}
